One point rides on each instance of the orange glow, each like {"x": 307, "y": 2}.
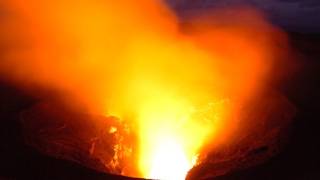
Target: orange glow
{"x": 179, "y": 84}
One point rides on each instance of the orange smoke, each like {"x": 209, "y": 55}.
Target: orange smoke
{"x": 178, "y": 83}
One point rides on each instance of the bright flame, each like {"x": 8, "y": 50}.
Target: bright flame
{"x": 169, "y": 160}
{"x": 169, "y": 138}
{"x": 177, "y": 82}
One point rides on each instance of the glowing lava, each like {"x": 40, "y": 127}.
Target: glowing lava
{"x": 169, "y": 161}
{"x": 135, "y": 60}
{"x": 169, "y": 139}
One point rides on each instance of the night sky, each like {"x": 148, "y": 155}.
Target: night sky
{"x": 293, "y": 15}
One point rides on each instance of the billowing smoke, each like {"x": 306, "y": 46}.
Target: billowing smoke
{"x": 182, "y": 83}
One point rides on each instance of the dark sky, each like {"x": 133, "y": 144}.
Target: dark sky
{"x": 296, "y": 15}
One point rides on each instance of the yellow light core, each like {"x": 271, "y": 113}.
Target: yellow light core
{"x": 169, "y": 161}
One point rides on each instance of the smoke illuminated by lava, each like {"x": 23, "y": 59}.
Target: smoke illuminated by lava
{"x": 179, "y": 84}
